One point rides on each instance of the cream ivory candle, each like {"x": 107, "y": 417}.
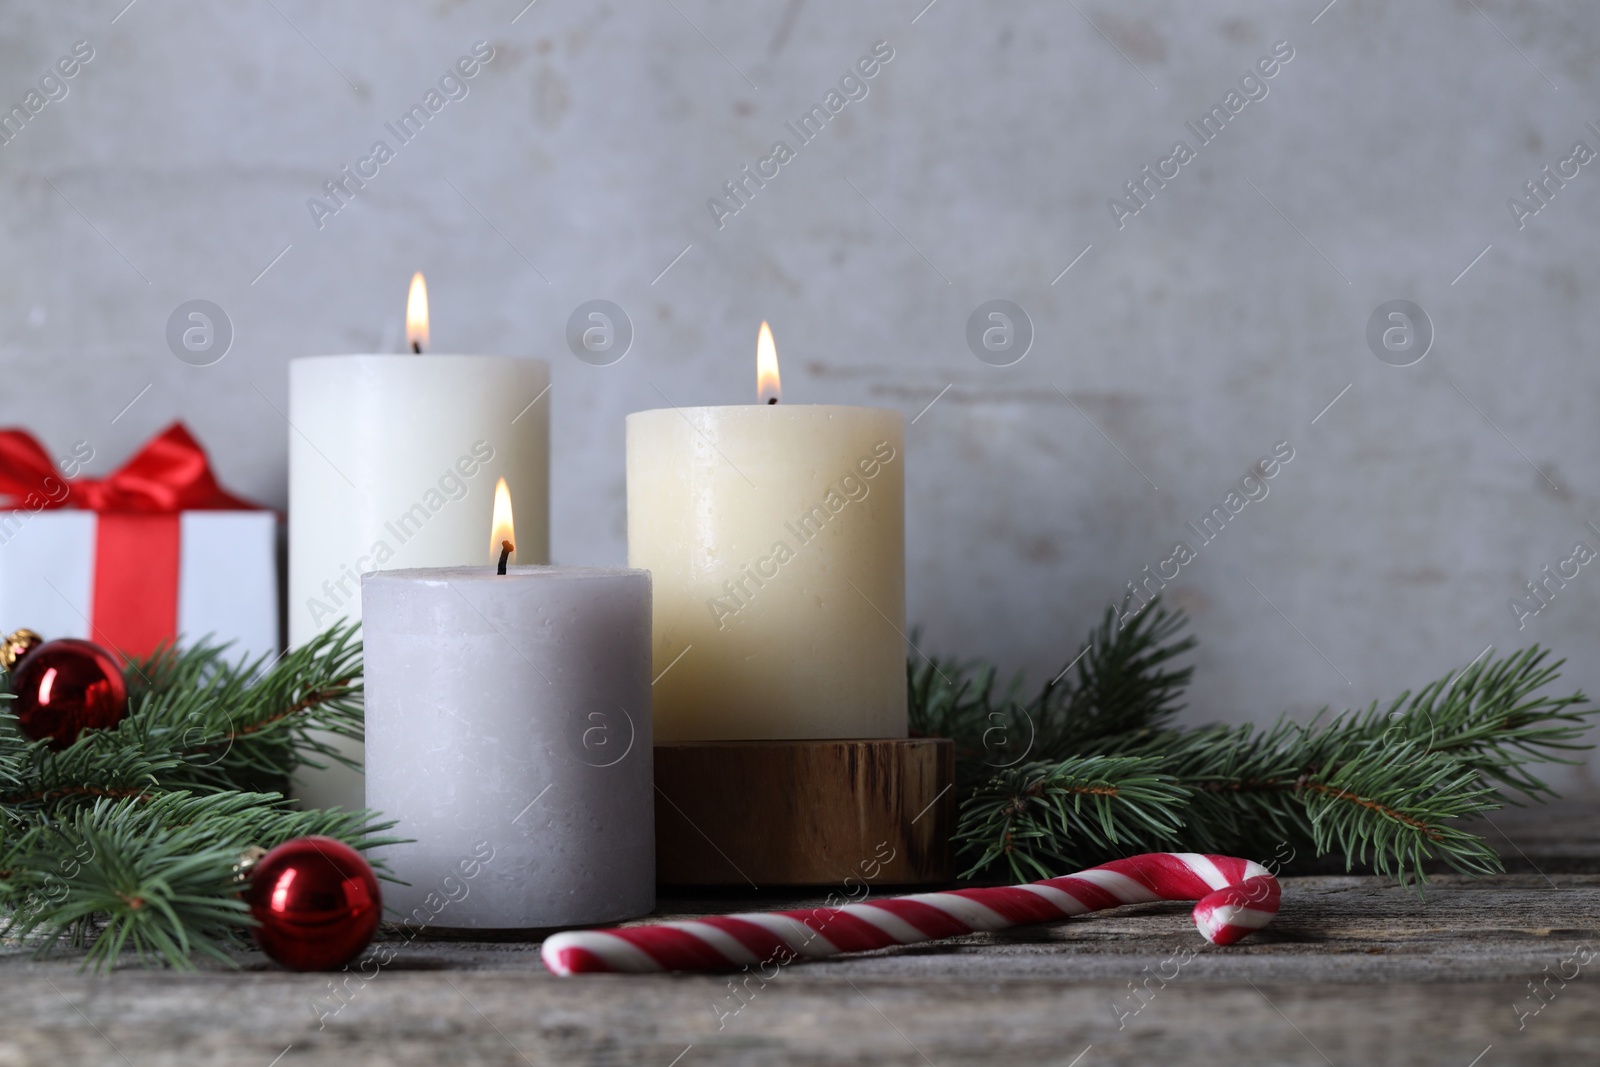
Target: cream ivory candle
{"x": 509, "y": 732}
{"x": 776, "y": 539}
{"x": 393, "y": 461}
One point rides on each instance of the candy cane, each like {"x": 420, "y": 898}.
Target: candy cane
{"x": 1235, "y": 897}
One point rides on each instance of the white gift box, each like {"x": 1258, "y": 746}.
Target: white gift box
{"x": 227, "y": 577}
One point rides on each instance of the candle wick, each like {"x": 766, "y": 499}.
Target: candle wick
{"x": 505, "y": 554}
{"x": 416, "y": 347}
{"x": 772, "y": 400}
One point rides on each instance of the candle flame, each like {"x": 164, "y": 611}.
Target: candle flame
{"x": 501, "y": 527}
{"x": 768, "y": 389}
{"x": 417, "y": 314}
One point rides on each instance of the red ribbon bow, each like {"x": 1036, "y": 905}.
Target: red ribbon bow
{"x": 136, "y": 555}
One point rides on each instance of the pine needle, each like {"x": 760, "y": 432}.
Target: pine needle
{"x": 1090, "y": 767}
{"x": 129, "y": 838}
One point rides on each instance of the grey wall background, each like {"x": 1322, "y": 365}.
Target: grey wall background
{"x": 1175, "y": 353}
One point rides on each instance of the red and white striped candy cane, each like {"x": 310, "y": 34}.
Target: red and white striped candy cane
{"x": 1235, "y": 897}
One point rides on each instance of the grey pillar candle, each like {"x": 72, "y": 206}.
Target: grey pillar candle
{"x": 508, "y": 731}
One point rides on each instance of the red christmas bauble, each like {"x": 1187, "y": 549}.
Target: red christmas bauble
{"x": 65, "y": 687}
{"x": 317, "y": 903}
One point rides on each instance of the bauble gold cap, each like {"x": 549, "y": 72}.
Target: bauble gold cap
{"x": 16, "y": 645}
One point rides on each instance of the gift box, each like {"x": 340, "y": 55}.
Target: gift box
{"x": 155, "y": 553}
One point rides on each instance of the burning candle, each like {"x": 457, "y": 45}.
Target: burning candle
{"x": 509, "y": 732}
{"x": 392, "y": 463}
{"x": 775, "y": 534}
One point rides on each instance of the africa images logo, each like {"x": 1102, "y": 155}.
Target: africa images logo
{"x": 1252, "y": 87}
{"x": 851, "y": 487}
{"x": 342, "y": 188}
{"x": 741, "y": 189}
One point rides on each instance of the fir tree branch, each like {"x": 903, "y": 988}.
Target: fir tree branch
{"x": 198, "y": 721}
{"x": 1387, "y": 802}
{"x": 1387, "y": 787}
{"x": 1492, "y": 717}
{"x": 1120, "y": 682}
{"x": 1123, "y": 685}
{"x": 1399, "y": 805}
{"x": 1057, "y": 811}
{"x": 159, "y": 876}
{"x": 128, "y": 838}
{"x": 250, "y": 724}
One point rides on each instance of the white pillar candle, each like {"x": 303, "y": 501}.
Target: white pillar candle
{"x": 392, "y": 463}
{"x": 509, "y": 732}
{"x": 775, "y": 536}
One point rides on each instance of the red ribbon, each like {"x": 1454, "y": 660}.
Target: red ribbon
{"x": 136, "y": 553}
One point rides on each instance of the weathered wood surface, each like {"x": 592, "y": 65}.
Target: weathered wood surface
{"x": 1354, "y": 972}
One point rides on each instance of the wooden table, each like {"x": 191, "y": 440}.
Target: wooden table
{"x": 1354, "y": 972}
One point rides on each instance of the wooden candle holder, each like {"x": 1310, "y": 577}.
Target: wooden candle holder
{"x": 777, "y": 813}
